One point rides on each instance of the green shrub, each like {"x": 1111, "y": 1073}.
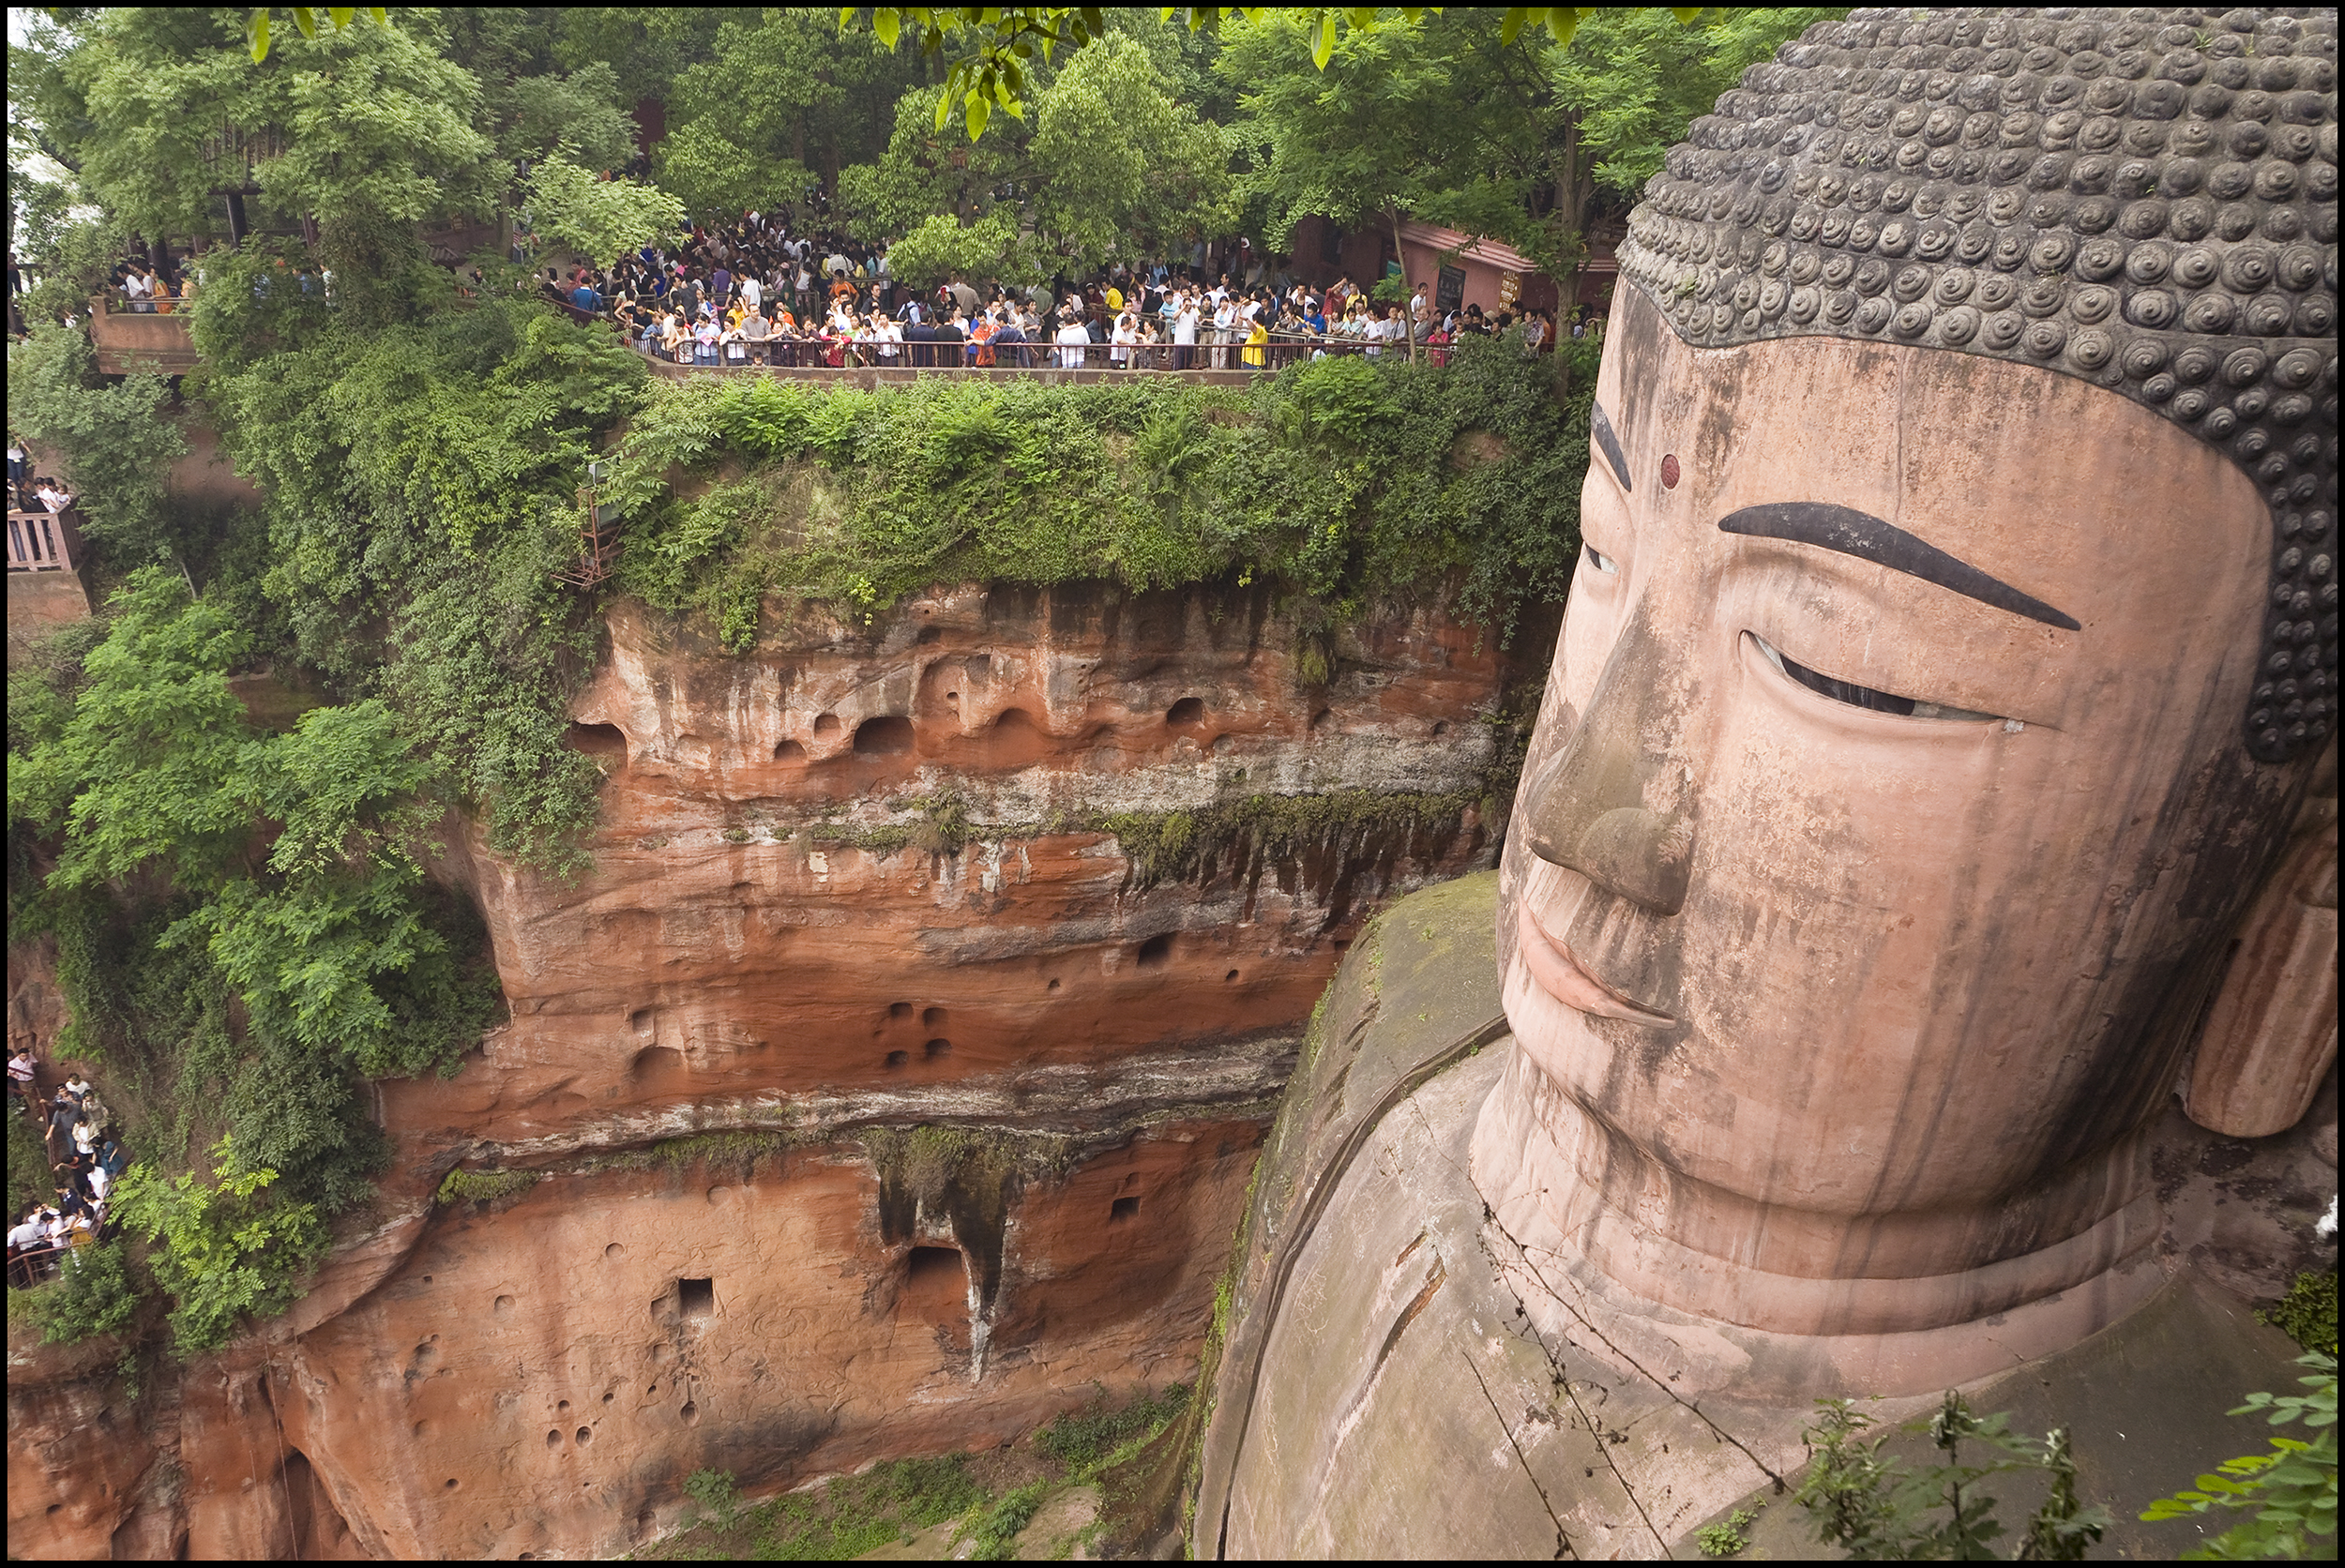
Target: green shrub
{"x": 484, "y": 1186}
{"x": 228, "y": 1247}
{"x": 1098, "y": 1438}
{"x": 1871, "y": 1505}
{"x": 2308, "y": 1314}
{"x": 93, "y": 1294}
{"x": 992, "y": 1536}
{"x": 1339, "y": 480}
{"x": 1725, "y": 1540}
{"x": 714, "y": 1491}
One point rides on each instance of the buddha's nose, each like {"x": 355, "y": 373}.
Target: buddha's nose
{"x": 1616, "y": 803}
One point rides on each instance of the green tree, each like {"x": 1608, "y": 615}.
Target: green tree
{"x": 1434, "y": 119}
{"x": 783, "y": 101}
{"x": 942, "y": 247}
{"x": 1370, "y": 141}
{"x": 720, "y": 179}
{"x": 598, "y": 220}
{"x": 1122, "y": 167}
{"x": 227, "y": 1249}
{"x": 117, "y": 444}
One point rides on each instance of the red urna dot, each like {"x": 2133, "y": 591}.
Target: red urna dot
{"x": 1669, "y": 472}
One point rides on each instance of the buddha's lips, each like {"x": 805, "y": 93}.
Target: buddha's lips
{"x": 1556, "y": 972}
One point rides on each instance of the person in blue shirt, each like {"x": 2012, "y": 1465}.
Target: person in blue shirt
{"x": 584, "y": 297}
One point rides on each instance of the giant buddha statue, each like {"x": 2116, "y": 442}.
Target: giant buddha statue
{"x": 1940, "y": 741}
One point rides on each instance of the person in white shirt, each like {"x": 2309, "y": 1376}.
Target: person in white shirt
{"x": 1185, "y": 335}
{"x": 890, "y": 338}
{"x": 1074, "y": 343}
{"x": 29, "y": 1233}
{"x": 1126, "y": 333}
{"x": 752, "y": 292}
{"x": 1224, "y": 331}
{"x": 99, "y": 1182}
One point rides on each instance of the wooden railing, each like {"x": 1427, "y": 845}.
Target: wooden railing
{"x": 41, "y": 541}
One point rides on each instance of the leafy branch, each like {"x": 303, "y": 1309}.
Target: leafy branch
{"x": 2292, "y": 1489}
{"x": 992, "y": 71}
{"x": 306, "y": 19}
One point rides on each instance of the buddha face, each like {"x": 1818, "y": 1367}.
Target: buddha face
{"x": 1888, "y": 811}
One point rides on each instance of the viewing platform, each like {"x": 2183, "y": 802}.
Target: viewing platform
{"x": 156, "y": 342}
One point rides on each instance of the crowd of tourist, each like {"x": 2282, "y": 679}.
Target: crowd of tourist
{"x": 85, "y": 1161}
{"x": 754, "y": 294}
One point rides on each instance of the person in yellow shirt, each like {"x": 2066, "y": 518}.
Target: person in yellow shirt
{"x": 1255, "y": 340}
{"x": 1114, "y": 299}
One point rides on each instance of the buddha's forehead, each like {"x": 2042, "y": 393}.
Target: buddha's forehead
{"x": 2038, "y": 478}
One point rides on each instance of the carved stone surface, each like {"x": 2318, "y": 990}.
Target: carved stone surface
{"x": 2271, "y": 1033}
{"x": 2144, "y": 200}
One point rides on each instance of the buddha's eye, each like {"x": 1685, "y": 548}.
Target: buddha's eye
{"x": 1864, "y": 697}
{"x": 1604, "y": 562}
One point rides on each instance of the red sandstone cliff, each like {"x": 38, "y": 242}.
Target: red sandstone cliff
{"x": 853, "y": 884}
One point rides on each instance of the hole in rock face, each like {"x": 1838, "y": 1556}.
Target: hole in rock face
{"x": 640, "y": 1021}
{"x": 900, "y": 1009}
{"x": 1156, "y": 952}
{"x": 695, "y": 1298}
{"x": 1122, "y": 1209}
{"x": 788, "y": 753}
{"x": 1322, "y": 719}
{"x": 614, "y": 1252}
{"x": 1441, "y": 728}
{"x": 562, "y": 1406}
{"x": 597, "y": 739}
{"x": 449, "y": 1484}
{"x": 1188, "y": 710}
{"x": 897, "y": 1059}
{"x": 659, "y": 1069}
{"x": 1227, "y": 978}
{"x": 826, "y": 724}
{"x": 931, "y": 634}
{"x": 889, "y": 735}
{"x": 609, "y": 1397}
{"x": 690, "y": 1414}
{"x": 936, "y": 1284}
{"x": 503, "y": 1307}
{"x": 936, "y": 1048}
{"x": 554, "y": 1439}
{"x": 586, "y": 1435}
{"x": 1051, "y": 986}
{"x": 1013, "y": 740}
{"x": 932, "y": 1018}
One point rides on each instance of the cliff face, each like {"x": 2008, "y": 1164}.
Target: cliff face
{"x": 890, "y": 1082}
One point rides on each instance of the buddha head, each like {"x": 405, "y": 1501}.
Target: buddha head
{"x": 1955, "y": 635}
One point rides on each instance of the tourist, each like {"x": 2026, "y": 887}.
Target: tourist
{"x": 55, "y": 496}
{"x": 18, "y": 470}
{"x": 22, "y": 1074}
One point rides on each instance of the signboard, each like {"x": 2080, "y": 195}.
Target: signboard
{"x": 1449, "y": 293}
{"x": 1509, "y": 286}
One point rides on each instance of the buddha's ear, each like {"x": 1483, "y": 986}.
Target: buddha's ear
{"x": 2271, "y": 1031}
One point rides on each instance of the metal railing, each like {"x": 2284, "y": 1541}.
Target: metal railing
{"x": 816, "y": 355}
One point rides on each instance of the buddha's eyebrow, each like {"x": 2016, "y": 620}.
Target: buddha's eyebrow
{"x": 1868, "y": 538}
{"x": 1608, "y": 444}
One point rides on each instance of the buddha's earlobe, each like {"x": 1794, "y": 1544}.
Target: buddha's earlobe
{"x": 1617, "y": 805}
